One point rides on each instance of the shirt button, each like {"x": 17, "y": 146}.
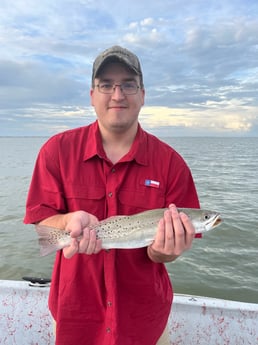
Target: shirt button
{"x": 109, "y": 304}
{"x": 113, "y": 170}
{"x": 108, "y": 330}
{"x": 110, "y": 194}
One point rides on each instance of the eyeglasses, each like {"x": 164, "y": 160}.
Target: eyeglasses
{"x": 128, "y": 88}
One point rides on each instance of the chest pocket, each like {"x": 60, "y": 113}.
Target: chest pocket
{"x": 86, "y": 198}
{"x": 142, "y": 199}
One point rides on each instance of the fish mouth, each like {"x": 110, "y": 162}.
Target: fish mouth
{"x": 217, "y": 220}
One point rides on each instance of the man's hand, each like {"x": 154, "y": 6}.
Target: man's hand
{"x": 174, "y": 236}
{"x": 77, "y": 223}
{"x": 84, "y": 239}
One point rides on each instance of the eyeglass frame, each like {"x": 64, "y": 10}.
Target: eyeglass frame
{"x": 114, "y": 85}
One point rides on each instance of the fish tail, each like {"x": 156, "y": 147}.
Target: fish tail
{"x": 46, "y": 247}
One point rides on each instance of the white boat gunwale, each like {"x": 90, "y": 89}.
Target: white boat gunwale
{"x": 25, "y": 318}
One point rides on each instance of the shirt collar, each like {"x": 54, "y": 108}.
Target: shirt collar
{"x": 94, "y": 145}
{"x": 138, "y": 151}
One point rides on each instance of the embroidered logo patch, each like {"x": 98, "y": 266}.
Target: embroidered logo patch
{"x": 151, "y": 183}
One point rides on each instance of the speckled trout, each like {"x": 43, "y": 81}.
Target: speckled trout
{"x": 126, "y": 232}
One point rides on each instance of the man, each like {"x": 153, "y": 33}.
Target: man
{"x": 111, "y": 167}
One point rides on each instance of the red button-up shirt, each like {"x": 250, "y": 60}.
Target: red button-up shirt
{"x": 116, "y": 297}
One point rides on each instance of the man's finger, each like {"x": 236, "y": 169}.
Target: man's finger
{"x": 72, "y": 249}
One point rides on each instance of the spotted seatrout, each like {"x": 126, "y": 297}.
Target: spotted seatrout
{"x": 123, "y": 232}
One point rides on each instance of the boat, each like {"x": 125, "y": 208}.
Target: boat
{"x": 25, "y": 318}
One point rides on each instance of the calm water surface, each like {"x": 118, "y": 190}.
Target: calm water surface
{"x": 223, "y": 264}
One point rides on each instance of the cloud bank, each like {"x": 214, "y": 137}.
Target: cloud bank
{"x": 199, "y": 61}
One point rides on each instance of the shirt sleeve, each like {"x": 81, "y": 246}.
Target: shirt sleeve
{"x": 45, "y": 196}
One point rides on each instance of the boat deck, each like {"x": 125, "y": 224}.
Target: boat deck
{"x": 25, "y": 319}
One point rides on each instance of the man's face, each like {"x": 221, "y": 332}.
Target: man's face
{"x": 117, "y": 111}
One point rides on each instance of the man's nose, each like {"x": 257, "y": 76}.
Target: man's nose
{"x": 118, "y": 92}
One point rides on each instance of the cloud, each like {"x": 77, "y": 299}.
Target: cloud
{"x": 199, "y": 61}
{"x": 147, "y": 32}
{"x": 32, "y": 83}
{"x": 214, "y": 119}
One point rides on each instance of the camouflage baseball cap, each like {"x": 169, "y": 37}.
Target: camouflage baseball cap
{"x": 117, "y": 54}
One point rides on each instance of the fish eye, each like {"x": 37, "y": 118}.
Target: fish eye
{"x": 206, "y": 216}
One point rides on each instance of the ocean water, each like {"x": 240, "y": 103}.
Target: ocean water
{"x": 223, "y": 264}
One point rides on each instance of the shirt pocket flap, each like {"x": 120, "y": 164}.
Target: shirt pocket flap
{"x": 77, "y": 191}
{"x": 144, "y": 199}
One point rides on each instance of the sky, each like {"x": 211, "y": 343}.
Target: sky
{"x": 199, "y": 60}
